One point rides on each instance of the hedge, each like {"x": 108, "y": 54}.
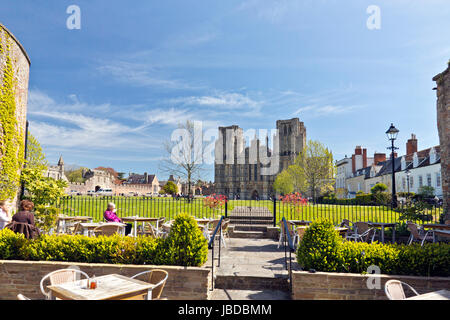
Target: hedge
{"x": 338, "y": 255}
{"x": 184, "y": 246}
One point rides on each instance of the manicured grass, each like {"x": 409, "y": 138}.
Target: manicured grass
{"x": 169, "y": 208}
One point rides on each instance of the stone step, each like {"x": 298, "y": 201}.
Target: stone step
{"x": 239, "y": 282}
{"x": 247, "y": 234}
{"x": 266, "y": 294}
{"x": 251, "y": 227}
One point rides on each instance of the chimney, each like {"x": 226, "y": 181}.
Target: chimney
{"x": 145, "y": 177}
{"x": 379, "y": 157}
{"x": 353, "y": 163}
{"x": 358, "y": 150}
{"x": 364, "y": 158}
{"x": 411, "y": 145}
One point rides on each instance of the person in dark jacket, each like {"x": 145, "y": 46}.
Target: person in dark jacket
{"x": 23, "y": 221}
{"x": 25, "y": 215}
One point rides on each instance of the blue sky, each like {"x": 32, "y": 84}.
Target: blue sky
{"x": 110, "y": 93}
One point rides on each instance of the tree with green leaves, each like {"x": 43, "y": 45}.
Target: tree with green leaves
{"x": 283, "y": 183}
{"x": 43, "y": 191}
{"x": 313, "y": 171}
{"x": 76, "y": 175}
{"x": 170, "y": 188}
{"x": 379, "y": 187}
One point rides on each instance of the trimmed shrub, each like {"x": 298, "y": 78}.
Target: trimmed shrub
{"x": 10, "y": 244}
{"x": 320, "y": 250}
{"x": 320, "y": 247}
{"x": 185, "y": 246}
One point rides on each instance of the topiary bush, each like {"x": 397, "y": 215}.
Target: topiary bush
{"x": 185, "y": 245}
{"x": 320, "y": 247}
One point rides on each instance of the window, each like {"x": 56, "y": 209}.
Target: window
{"x": 420, "y": 181}
{"x": 429, "y": 179}
{"x": 411, "y": 182}
{"x": 403, "y": 183}
{"x": 438, "y": 179}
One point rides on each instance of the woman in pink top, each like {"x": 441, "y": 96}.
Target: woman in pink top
{"x": 110, "y": 216}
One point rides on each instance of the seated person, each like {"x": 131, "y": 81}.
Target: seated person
{"x": 5, "y": 218}
{"x": 110, "y": 216}
{"x": 25, "y": 215}
{"x": 23, "y": 221}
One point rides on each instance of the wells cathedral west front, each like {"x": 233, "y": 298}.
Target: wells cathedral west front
{"x": 243, "y": 172}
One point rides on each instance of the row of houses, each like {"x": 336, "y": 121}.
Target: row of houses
{"x": 135, "y": 184}
{"x": 413, "y": 170}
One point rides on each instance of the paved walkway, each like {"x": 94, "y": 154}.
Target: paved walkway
{"x": 250, "y": 269}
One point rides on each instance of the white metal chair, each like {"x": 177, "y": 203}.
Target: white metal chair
{"x": 158, "y": 278}
{"x": 394, "y": 290}
{"x": 22, "y": 297}
{"x": 417, "y": 234}
{"x": 61, "y": 276}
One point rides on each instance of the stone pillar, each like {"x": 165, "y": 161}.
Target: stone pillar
{"x": 443, "y": 122}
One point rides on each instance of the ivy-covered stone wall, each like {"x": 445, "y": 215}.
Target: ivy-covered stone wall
{"x": 14, "y": 77}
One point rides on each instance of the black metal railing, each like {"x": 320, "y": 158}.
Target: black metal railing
{"x": 267, "y": 212}
{"x": 211, "y": 242}
{"x": 288, "y": 246}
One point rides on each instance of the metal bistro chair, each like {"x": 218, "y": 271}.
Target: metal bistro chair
{"x": 363, "y": 232}
{"x": 417, "y": 234}
{"x": 22, "y": 297}
{"x": 214, "y": 224}
{"x": 394, "y": 290}
{"x": 300, "y": 233}
{"x": 107, "y": 229}
{"x": 61, "y": 276}
{"x": 158, "y": 278}
{"x": 283, "y": 235}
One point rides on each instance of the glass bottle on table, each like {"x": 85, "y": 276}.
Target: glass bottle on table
{"x": 93, "y": 283}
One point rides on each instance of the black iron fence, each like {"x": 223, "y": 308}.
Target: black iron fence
{"x": 268, "y": 212}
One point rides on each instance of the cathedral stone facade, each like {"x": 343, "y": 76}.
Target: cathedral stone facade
{"x": 248, "y": 172}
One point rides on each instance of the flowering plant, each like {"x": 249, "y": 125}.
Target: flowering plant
{"x": 215, "y": 201}
{"x": 294, "y": 199}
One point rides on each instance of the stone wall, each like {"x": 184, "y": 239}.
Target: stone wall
{"x": 443, "y": 123}
{"x": 21, "y": 64}
{"x": 183, "y": 283}
{"x": 351, "y": 286}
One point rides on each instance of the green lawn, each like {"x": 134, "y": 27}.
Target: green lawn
{"x": 169, "y": 208}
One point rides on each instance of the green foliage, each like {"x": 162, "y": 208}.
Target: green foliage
{"x": 170, "y": 188}
{"x": 186, "y": 244}
{"x": 323, "y": 250}
{"x": 42, "y": 190}
{"x": 426, "y": 191}
{"x": 320, "y": 247}
{"x": 11, "y": 136}
{"x": 75, "y": 176}
{"x": 283, "y": 183}
{"x": 417, "y": 211}
{"x": 312, "y": 171}
{"x": 35, "y": 155}
{"x": 11, "y": 244}
{"x": 45, "y": 217}
{"x": 379, "y": 187}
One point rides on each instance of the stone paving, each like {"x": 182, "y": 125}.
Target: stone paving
{"x": 250, "y": 269}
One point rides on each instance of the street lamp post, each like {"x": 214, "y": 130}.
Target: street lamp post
{"x": 408, "y": 173}
{"x": 392, "y": 133}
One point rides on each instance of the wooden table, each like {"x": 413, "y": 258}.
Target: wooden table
{"x": 436, "y": 295}
{"x": 62, "y": 219}
{"x": 136, "y": 219}
{"x": 109, "y": 287}
{"x": 88, "y": 227}
{"x": 383, "y": 225}
{"x": 437, "y": 228}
